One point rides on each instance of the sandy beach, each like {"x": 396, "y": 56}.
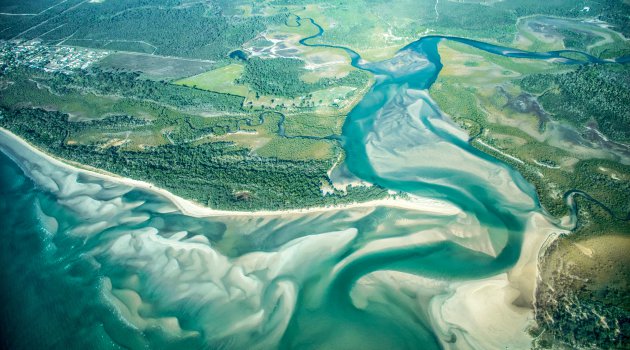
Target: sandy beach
{"x": 477, "y": 310}
{"x": 10, "y": 141}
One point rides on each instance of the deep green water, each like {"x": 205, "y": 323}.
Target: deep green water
{"x": 91, "y": 264}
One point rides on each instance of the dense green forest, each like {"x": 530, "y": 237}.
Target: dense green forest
{"x": 131, "y": 85}
{"x": 586, "y": 177}
{"x": 497, "y": 20}
{"x": 166, "y": 28}
{"x": 465, "y": 105}
{"x": 212, "y": 29}
{"x": 21, "y": 6}
{"x": 597, "y": 92}
{"x": 281, "y": 77}
{"x": 220, "y": 175}
{"x": 474, "y": 19}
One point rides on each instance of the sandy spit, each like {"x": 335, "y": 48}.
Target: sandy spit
{"x": 14, "y": 143}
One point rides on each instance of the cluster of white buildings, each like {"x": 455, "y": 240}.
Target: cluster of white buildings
{"x": 49, "y": 58}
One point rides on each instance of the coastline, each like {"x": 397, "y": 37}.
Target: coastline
{"x": 505, "y": 301}
{"x": 13, "y": 142}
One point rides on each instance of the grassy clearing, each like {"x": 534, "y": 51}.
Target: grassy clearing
{"x": 155, "y": 67}
{"x": 450, "y": 51}
{"x": 471, "y": 67}
{"x": 218, "y": 80}
{"x": 80, "y": 106}
{"x": 252, "y": 141}
{"x": 478, "y": 91}
{"x": 88, "y": 106}
{"x": 216, "y": 174}
{"x": 296, "y": 149}
{"x": 171, "y": 125}
{"x": 313, "y": 125}
{"x": 542, "y": 33}
{"x": 333, "y": 101}
{"x": 377, "y": 34}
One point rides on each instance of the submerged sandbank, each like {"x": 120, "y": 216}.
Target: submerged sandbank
{"x": 473, "y": 309}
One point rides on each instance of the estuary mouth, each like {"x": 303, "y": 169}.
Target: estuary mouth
{"x": 394, "y": 273}
{"x": 301, "y": 174}
{"x": 436, "y": 268}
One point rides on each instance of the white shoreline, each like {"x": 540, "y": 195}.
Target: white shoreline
{"x": 476, "y": 305}
{"x": 9, "y": 140}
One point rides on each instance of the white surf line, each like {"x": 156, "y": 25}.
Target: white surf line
{"x": 501, "y": 152}
{"x": 13, "y": 143}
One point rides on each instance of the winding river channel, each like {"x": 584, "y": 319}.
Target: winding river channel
{"x": 90, "y": 262}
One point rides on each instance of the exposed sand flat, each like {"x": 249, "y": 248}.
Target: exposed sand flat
{"x": 495, "y": 313}
{"x": 12, "y": 142}
{"x": 485, "y": 311}
{"x": 488, "y": 313}
{"x": 585, "y": 250}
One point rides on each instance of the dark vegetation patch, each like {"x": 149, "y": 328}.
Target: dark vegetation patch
{"x": 582, "y": 300}
{"x": 462, "y": 104}
{"x": 555, "y": 183}
{"x": 21, "y": 6}
{"x": 281, "y": 77}
{"x": 526, "y": 103}
{"x": 194, "y": 30}
{"x": 130, "y": 85}
{"x": 214, "y": 174}
{"x": 599, "y": 93}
